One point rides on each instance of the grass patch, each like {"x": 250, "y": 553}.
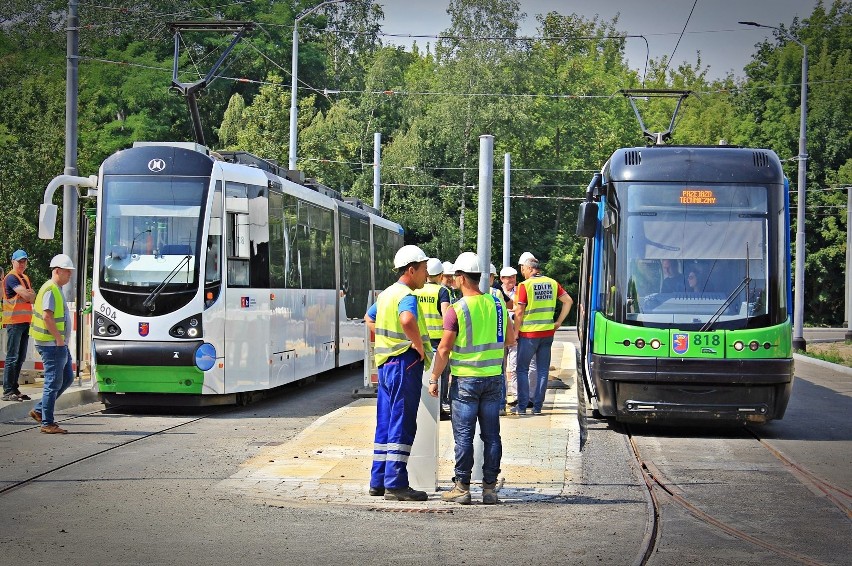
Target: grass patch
{"x": 836, "y": 353}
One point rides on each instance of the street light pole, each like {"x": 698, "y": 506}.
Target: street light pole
{"x": 799, "y": 285}
{"x": 294, "y": 69}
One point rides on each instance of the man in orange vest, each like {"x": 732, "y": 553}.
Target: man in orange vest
{"x": 18, "y": 297}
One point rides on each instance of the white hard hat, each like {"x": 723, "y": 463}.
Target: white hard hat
{"x": 493, "y": 270}
{"x": 408, "y": 254}
{"x": 508, "y": 272}
{"x": 468, "y": 262}
{"x": 61, "y": 261}
{"x": 525, "y": 257}
{"x": 449, "y": 268}
{"x": 434, "y": 266}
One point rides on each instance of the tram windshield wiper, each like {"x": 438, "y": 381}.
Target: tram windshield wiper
{"x": 148, "y": 303}
{"x": 744, "y": 283}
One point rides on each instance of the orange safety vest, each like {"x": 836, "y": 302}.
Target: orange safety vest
{"x": 15, "y": 309}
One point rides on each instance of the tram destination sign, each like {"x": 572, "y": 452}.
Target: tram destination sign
{"x": 697, "y": 196}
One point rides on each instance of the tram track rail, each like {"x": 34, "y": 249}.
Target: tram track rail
{"x": 67, "y": 419}
{"x": 21, "y": 483}
{"x": 658, "y": 485}
{"x": 839, "y": 497}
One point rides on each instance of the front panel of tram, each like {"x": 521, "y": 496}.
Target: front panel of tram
{"x": 148, "y": 298}
{"x": 694, "y": 310}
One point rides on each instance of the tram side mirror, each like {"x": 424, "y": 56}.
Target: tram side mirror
{"x": 587, "y": 219}
{"x": 47, "y": 221}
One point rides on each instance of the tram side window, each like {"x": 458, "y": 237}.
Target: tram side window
{"x": 237, "y": 226}
{"x": 258, "y": 237}
{"x": 277, "y": 263}
{"x": 213, "y": 265}
{"x": 383, "y": 262}
{"x": 607, "y": 287}
{"x": 309, "y": 245}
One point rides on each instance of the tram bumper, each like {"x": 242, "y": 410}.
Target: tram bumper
{"x": 634, "y": 389}
{"x": 124, "y": 366}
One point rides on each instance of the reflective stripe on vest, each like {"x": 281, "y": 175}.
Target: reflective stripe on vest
{"x": 15, "y": 309}
{"x": 478, "y": 351}
{"x": 541, "y": 304}
{"x": 390, "y": 336}
{"x": 430, "y": 308}
{"x": 38, "y": 329}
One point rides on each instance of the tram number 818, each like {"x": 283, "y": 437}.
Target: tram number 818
{"x": 706, "y": 340}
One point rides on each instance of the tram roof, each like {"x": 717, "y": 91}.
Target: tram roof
{"x": 697, "y": 164}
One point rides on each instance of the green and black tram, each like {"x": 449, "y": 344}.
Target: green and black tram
{"x": 685, "y": 294}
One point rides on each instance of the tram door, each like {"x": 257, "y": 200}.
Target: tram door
{"x": 247, "y": 295}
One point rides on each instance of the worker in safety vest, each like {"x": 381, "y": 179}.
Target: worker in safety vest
{"x": 448, "y": 280}
{"x": 476, "y": 331}
{"x": 535, "y": 306}
{"x": 402, "y": 348}
{"x": 18, "y": 297}
{"x": 434, "y": 300}
{"x": 51, "y": 329}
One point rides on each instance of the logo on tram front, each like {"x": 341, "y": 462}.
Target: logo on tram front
{"x": 156, "y": 165}
{"x": 680, "y": 343}
{"x": 144, "y": 328}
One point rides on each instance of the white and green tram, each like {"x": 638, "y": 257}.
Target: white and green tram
{"x": 215, "y": 276}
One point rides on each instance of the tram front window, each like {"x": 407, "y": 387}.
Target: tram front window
{"x": 148, "y": 228}
{"x": 694, "y": 252}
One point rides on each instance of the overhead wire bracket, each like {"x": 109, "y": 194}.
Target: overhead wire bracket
{"x": 192, "y": 91}
{"x": 656, "y": 138}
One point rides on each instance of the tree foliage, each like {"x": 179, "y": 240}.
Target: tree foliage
{"x": 550, "y": 101}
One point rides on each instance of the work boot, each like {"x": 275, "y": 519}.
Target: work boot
{"x": 405, "y": 494}
{"x": 459, "y": 494}
{"x": 376, "y": 491}
{"x": 489, "y": 493}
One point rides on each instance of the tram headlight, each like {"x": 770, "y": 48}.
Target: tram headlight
{"x": 738, "y": 346}
{"x": 189, "y": 327}
{"x": 104, "y": 326}
{"x": 753, "y": 345}
{"x": 655, "y": 344}
{"x": 640, "y": 343}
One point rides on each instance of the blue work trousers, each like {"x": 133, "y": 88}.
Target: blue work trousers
{"x": 477, "y": 399}
{"x": 400, "y": 382}
{"x": 17, "y": 340}
{"x": 529, "y": 348}
{"x": 58, "y": 376}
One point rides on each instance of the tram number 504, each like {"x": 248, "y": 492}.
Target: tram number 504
{"x": 706, "y": 340}
{"x": 107, "y": 311}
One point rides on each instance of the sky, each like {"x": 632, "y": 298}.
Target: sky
{"x": 712, "y": 29}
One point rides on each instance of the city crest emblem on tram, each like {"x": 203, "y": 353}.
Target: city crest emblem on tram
{"x": 680, "y": 343}
{"x": 144, "y": 328}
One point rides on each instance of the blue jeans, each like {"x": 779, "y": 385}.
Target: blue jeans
{"x": 58, "y": 376}
{"x": 477, "y": 399}
{"x": 17, "y": 340}
{"x": 527, "y": 348}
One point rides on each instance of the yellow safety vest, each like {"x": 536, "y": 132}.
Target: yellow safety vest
{"x": 429, "y": 307}
{"x": 390, "y": 337}
{"x": 541, "y": 304}
{"x": 15, "y": 309}
{"x": 478, "y": 351}
{"x": 38, "y": 329}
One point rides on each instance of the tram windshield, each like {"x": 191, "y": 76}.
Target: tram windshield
{"x": 148, "y": 228}
{"x": 694, "y": 253}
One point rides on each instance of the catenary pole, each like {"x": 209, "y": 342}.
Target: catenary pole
{"x": 69, "y": 198}
{"x": 483, "y": 232}
{"x": 848, "y": 336}
{"x": 799, "y": 284}
{"x": 377, "y": 171}
{"x": 507, "y": 227}
{"x": 294, "y": 71}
